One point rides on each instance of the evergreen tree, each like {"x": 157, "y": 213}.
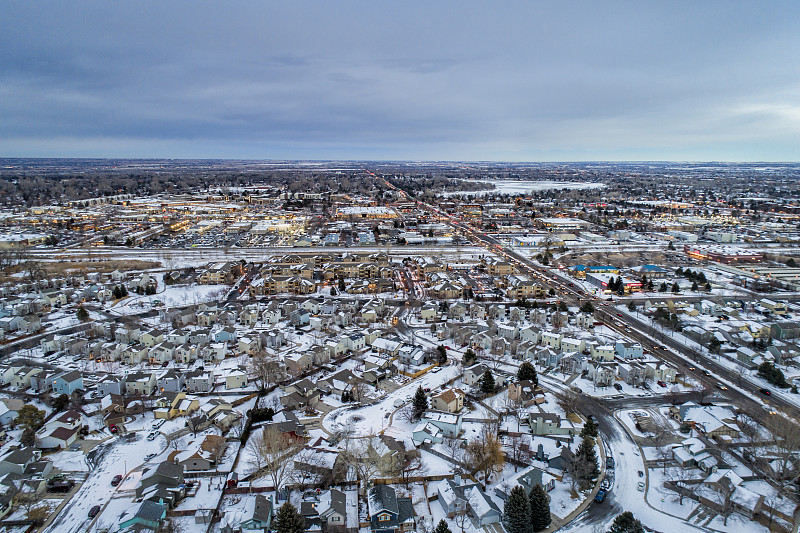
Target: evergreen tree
{"x": 342, "y": 286}
{"x": 589, "y": 428}
{"x": 288, "y": 520}
{"x": 676, "y": 288}
{"x": 487, "y": 382}
{"x": 469, "y": 358}
{"x": 517, "y": 511}
{"x": 631, "y": 306}
{"x": 708, "y": 286}
{"x": 540, "y": 508}
{"x": 82, "y": 314}
{"x": 420, "y": 403}
{"x": 626, "y": 523}
{"x": 670, "y": 246}
{"x": 586, "y": 453}
{"x": 442, "y": 527}
{"x": 526, "y": 372}
{"x": 694, "y": 286}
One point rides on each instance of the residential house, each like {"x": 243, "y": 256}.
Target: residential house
{"x": 388, "y": 513}
{"x": 449, "y": 401}
{"x": 68, "y": 382}
{"x": 252, "y": 513}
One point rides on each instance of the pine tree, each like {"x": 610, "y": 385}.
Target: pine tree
{"x": 589, "y": 429}
{"x": 694, "y": 286}
{"x": 676, "y": 288}
{"x": 442, "y": 527}
{"x": 288, "y": 520}
{"x": 526, "y": 372}
{"x": 82, "y": 314}
{"x": 420, "y": 403}
{"x": 540, "y": 508}
{"x": 517, "y": 511}
{"x": 469, "y": 358}
{"x": 487, "y": 382}
{"x": 587, "y": 454}
{"x": 626, "y": 523}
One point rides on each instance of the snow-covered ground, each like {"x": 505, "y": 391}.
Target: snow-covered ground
{"x": 110, "y": 458}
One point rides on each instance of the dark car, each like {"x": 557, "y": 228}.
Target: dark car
{"x": 116, "y": 480}
{"x": 62, "y": 486}
{"x": 765, "y": 392}
{"x": 601, "y": 495}
{"x": 94, "y": 511}
{"x": 618, "y": 387}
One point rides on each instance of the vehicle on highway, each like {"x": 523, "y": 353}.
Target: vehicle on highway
{"x": 600, "y": 496}
{"x": 116, "y": 480}
{"x": 720, "y": 386}
{"x": 765, "y": 392}
{"x": 94, "y": 511}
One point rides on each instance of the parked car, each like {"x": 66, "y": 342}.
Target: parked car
{"x": 640, "y": 486}
{"x": 94, "y": 511}
{"x": 149, "y": 456}
{"x": 618, "y": 387}
{"x": 609, "y": 463}
{"x": 661, "y": 383}
{"x": 152, "y": 436}
{"x": 62, "y": 486}
{"x": 600, "y": 496}
{"x": 112, "y": 428}
{"x": 116, "y": 480}
{"x": 765, "y": 392}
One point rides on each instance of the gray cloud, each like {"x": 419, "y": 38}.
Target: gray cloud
{"x": 441, "y": 80}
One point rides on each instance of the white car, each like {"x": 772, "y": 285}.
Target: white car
{"x": 640, "y": 486}
{"x": 149, "y": 456}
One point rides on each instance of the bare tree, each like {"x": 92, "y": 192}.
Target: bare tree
{"x": 217, "y": 448}
{"x": 272, "y": 451}
{"x": 680, "y": 475}
{"x": 266, "y": 370}
{"x": 568, "y": 400}
{"x": 308, "y": 468}
{"x": 485, "y": 452}
{"x": 785, "y": 441}
{"x": 454, "y": 449}
{"x": 360, "y": 457}
{"x": 412, "y": 465}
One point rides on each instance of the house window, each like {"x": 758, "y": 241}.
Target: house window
{"x": 384, "y": 517}
{"x": 335, "y": 519}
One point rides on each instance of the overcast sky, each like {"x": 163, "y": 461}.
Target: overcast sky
{"x": 504, "y": 81}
